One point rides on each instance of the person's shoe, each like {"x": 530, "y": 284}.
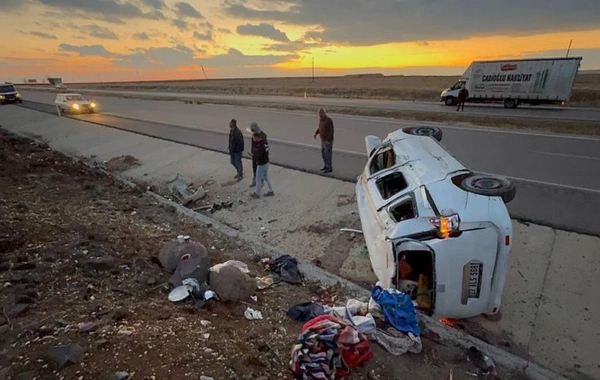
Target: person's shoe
{"x": 327, "y": 171}
{"x": 253, "y": 182}
{"x": 270, "y": 194}
{"x": 239, "y": 179}
{"x": 236, "y": 177}
{"x": 254, "y": 195}
{"x": 323, "y": 169}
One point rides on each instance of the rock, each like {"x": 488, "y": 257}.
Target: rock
{"x": 24, "y": 266}
{"x": 171, "y": 252}
{"x": 65, "y": 355}
{"x": 17, "y": 310}
{"x": 99, "y": 264}
{"x": 231, "y": 284}
{"x": 87, "y": 327}
{"x": 23, "y": 299}
{"x": 206, "y": 378}
{"x": 101, "y": 342}
{"x": 120, "y": 314}
{"x": 126, "y": 331}
{"x": 121, "y": 375}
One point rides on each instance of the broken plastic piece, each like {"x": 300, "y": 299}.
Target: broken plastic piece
{"x": 351, "y": 230}
{"x": 180, "y": 293}
{"x": 252, "y": 314}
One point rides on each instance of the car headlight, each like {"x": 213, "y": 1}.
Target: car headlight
{"x": 18, "y": 95}
{"x": 93, "y": 105}
{"x": 1, "y": 96}
{"x": 76, "y": 106}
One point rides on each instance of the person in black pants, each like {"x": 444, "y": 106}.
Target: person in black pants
{"x": 236, "y": 149}
{"x": 254, "y": 128}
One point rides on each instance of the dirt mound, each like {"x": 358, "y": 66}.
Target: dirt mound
{"x": 122, "y": 163}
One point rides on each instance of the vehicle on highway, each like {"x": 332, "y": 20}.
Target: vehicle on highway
{"x": 519, "y": 81}
{"x": 61, "y": 87}
{"x": 70, "y": 103}
{"x": 9, "y": 94}
{"x": 433, "y": 228}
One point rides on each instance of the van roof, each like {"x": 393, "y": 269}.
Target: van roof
{"x": 425, "y": 161}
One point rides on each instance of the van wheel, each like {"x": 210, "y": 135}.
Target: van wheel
{"x": 450, "y": 101}
{"x": 434, "y": 132}
{"x": 510, "y": 103}
{"x": 492, "y": 186}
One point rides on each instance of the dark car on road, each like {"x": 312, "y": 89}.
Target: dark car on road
{"x": 9, "y": 94}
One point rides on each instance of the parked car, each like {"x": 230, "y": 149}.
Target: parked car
{"x": 74, "y": 104}
{"x": 60, "y": 87}
{"x": 433, "y": 228}
{"x": 9, "y": 94}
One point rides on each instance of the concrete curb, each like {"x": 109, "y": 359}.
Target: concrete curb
{"x": 458, "y": 338}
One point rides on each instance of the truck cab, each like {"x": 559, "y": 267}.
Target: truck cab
{"x": 450, "y": 95}
{"x": 433, "y": 228}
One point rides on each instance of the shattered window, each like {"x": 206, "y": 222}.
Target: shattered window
{"x": 382, "y": 160}
{"x": 391, "y": 185}
{"x": 403, "y": 210}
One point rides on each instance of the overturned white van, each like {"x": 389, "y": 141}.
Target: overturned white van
{"x": 432, "y": 227}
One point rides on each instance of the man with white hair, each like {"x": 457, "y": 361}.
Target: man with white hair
{"x": 325, "y": 132}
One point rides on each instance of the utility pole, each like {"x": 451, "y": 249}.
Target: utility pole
{"x": 313, "y": 69}
{"x": 205, "y": 76}
{"x": 569, "y": 49}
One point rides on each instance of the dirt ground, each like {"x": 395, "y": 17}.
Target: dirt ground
{"x": 586, "y": 91}
{"x": 78, "y": 267}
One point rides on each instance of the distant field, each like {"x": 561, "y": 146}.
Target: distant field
{"x": 586, "y": 91}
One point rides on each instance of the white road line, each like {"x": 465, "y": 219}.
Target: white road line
{"x": 570, "y": 155}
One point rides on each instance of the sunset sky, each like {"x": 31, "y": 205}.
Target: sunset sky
{"x": 109, "y": 40}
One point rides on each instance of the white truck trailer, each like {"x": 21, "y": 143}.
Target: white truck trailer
{"x": 519, "y": 81}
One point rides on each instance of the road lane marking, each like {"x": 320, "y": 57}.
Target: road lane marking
{"x": 569, "y": 155}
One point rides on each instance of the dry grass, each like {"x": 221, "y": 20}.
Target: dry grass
{"x": 586, "y": 91}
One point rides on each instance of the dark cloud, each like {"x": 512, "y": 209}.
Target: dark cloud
{"x": 142, "y": 36}
{"x": 235, "y": 58}
{"x": 207, "y": 36}
{"x": 44, "y": 35}
{"x": 224, "y": 31}
{"x": 156, "y": 4}
{"x": 362, "y": 22}
{"x": 263, "y": 30}
{"x": 99, "y": 32}
{"x": 87, "y": 50}
{"x": 180, "y": 24}
{"x": 184, "y": 9}
{"x": 106, "y": 10}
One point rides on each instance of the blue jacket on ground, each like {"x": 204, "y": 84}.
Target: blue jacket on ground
{"x": 398, "y": 309}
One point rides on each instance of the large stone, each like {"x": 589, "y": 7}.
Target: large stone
{"x": 99, "y": 264}
{"x": 67, "y": 354}
{"x": 171, "y": 253}
{"x": 231, "y": 284}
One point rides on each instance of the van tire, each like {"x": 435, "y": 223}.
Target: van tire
{"x": 510, "y": 103}
{"x": 492, "y": 186}
{"x": 450, "y": 101}
{"x": 434, "y": 132}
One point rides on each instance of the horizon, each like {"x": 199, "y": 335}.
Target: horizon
{"x": 155, "y": 40}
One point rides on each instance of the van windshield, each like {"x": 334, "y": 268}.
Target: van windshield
{"x": 74, "y": 97}
{"x": 458, "y": 85}
{"x": 4, "y": 88}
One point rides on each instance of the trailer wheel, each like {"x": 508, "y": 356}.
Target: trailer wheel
{"x": 492, "y": 186}
{"x": 510, "y": 103}
{"x": 433, "y": 132}
{"x": 450, "y": 101}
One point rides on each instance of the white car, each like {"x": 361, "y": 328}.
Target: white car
{"x": 74, "y": 104}
{"x": 433, "y": 228}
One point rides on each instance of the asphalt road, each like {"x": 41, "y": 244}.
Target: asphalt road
{"x": 539, "y": 112}
{"x": 557, "y": 176}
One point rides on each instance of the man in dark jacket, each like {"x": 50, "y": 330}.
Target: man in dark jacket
{"x": 236, "y": 149}
{"x": 261, "y": 154}
{"x": 325, "y": 131}
{"x": 463, "y": 95}
{"x": 254, "y": 128}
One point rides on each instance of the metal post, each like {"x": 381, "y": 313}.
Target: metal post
{"x": 569, "y": 49}
{"x": 313, "y": 69}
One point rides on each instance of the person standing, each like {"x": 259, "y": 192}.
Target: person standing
{"x": 262, "y": 166}
{"x": 325, "y": 132}
{"x": 254, "y": 128}
{"x": 463, "y": 95}
{"x": 236, "y": 149}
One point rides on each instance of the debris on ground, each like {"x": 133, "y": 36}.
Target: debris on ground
{"x": 179, "y": 188}
{"x": 286, "y": 267}
{"x": 85, "y": 288}
{"x": 122, "y": 163}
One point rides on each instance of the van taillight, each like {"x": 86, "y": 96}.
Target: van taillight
{"x": 507, "y": 240}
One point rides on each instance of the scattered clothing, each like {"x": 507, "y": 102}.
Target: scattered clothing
{"x": 328, "y": 348}
{"x": 287, "y": 268}
{"x": 355, "y": 312}
{"x": 398, "y": 309}
{"x": 306, "y": 311}
{"x": 232, "y": 263}
{"x": 398, "y": 343}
